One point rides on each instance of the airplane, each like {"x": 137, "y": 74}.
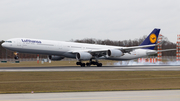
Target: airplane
{"x": 58, "y": 50}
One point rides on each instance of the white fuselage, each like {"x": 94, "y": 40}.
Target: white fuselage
{"x": 61, "y": 48}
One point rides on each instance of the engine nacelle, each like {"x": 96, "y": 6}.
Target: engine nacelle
{"x": 115, "y": 53}
{"x": 83, "y": 56}
{"x": 55, "y": 58}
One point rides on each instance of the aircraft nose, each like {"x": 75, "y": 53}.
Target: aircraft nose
{"x": 3, "y": 45}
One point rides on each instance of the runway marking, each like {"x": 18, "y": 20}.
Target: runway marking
{"x": 1, "y": 82}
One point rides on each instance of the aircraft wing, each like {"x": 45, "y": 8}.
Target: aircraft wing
{"x": 93, "y": 52}
{"x": 102, "y": 52}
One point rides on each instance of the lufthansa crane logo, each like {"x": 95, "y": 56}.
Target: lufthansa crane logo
{"x": 152, "y": 38}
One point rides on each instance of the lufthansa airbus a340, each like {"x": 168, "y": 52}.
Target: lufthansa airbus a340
{"x": 58, "y": 50}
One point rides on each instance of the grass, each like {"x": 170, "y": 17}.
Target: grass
{"x": 25, "y": 82}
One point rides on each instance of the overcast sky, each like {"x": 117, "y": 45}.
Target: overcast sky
{"x": 78, "y": 19}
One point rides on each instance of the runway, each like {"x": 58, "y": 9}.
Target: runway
{"x": 154, "y": 95}
{"x": 104, "y": 68}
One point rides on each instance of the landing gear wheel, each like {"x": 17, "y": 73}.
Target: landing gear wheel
{"x": 99, "y": 65}
{"x": 93, "y": 62}
{"x": 88, "y": 64}
{"x": 82, "y": 64}
{"x": 16, "y": 57}
{"x": 78, "y": 63}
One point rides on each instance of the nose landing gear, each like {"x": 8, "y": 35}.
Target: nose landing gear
{"x": 16, "y": 56}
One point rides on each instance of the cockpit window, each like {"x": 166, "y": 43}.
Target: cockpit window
{"x": 8, "y": 41}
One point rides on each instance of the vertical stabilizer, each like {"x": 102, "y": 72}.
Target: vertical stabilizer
{"x": 151, "y": 39}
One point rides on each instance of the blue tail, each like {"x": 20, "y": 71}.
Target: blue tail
{"x": 151, "y": 39}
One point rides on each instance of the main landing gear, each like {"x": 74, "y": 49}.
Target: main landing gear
{"x": 88, "y": 64}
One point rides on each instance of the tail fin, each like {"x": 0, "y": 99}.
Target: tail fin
{"x": 151, "y": 39}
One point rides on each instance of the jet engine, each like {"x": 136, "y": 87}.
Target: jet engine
{"x": 83, "y": 56}
{"x": 55, "y": 57}
{"x": 115, "y": 53}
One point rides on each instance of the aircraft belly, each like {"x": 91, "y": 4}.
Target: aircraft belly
{"x": 37, "y": 51}
{"x": 69, "y": 55}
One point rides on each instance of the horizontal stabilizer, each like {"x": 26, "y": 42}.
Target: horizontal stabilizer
{"x": 166, "y": 50}
{"x": 151, "y": 52}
